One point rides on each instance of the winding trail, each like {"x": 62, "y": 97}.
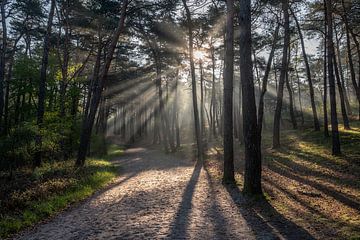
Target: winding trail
{"x": 159, "y": 196}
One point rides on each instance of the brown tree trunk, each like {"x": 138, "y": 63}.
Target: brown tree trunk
{"x": 228, "y": 176}
{"x": 308, "y": 74}
{"x": 330, "y": 45}
{"x": 326, "y": 122}
{"x": 193, "y": 82}
{"x": 284, "y": 69}
{"x": 2, "y": 61}
{"x": 252, "y": 136}
{"x": 265, "y": 79}
{"x": 350, "y": 59}
{"x": 89, "y": 120}
{"x": 342, "y": 98}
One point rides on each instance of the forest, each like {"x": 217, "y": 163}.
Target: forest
{"x": 180, "y": 119}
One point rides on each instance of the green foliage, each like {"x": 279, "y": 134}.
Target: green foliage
{"x": 16, "y": 148}
{"x": 55, "y": 186}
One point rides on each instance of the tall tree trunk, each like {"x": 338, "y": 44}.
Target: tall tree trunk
{"x": 193, "y": 82}
{"x": 213, "y": 94}
{"x": 291, "y": 101}
{"x": 252, "y": 136}
{"x": 265, "y": 79}
{"x": 2, "y": 61}
{"x": 42, "y": 86}
{"x": 326, "y": 122}
{"x": 330, "y": 45}
{"x": 228, "y": 176}
{"x": 89, "y": 120}
{"x": 308, "y": 74}
{"x": 341, "y": 71}
{"x": 202, "y": 105}
{"x": 284, "y": 69}
{"x": 342, "y": 97}
{"x": 350, "y": 59}
{"x": 298, "y": 85}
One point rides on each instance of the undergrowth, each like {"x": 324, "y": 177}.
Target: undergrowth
{"x": 32, "y": 196}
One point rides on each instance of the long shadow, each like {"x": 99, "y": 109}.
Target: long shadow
{"x": 219, "y": 221}
{"x": 338, "y": 196}
{"x": 181, "y": 221}
{"x": 313, "y": 211}
{"x": 304, "y": 170}
{"x": 264, "y": 220}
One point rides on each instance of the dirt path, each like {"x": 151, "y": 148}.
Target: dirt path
{"x": 158, "y": 196}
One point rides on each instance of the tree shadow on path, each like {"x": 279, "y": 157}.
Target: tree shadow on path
{"x": 265, "y": 221}
{"x": 181, "y": 221}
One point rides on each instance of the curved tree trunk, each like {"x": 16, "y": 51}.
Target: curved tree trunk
{"x": 308, "y": 74}
{"x": 265, "y": 80}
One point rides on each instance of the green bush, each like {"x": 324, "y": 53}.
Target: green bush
{"x": 17, "y": 147}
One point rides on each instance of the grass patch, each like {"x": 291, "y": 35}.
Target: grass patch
{"x": 50, "y": 189}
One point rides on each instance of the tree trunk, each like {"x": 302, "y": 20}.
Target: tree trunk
{"x": 252, "y": 136}
{"x": 265, "y": 80}
{"x": 341, "y": 94}
{"x": 284, "y": 69}
{"x": 2, "y": 61}
{"x": 351, "y": 63}
{"x": 228, "y": 176}
{"x": 42, "y": 86}
{"x": 326, "y": 122}
{"x": 193, "y": 82}
{"x": 330, "y": 45}
{"x": 89, "y": 120}
{"x": 308, "y": 74}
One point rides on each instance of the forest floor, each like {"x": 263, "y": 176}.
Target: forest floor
{"x": 162, "y": 196}
{"x": 305, "y": 184}
{"x": 309, "y": 194}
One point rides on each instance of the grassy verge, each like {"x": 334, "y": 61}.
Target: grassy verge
{"x": 50, "y": 189}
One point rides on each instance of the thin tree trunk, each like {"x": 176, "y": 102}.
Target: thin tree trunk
{"x": 350, "y": 59}
{"x": 334, "y": 121}
{"x": 2, "y": 61}
{"x": 89, "y": 121}
{"x": 42, "y": 86}
{"x": 341, "y": 94}
{"x": 326, "y": 122}
{"x": 308, "y": 74}
{"x": 228, "y": 176}
{"x": 193, "y": 82}
{"x": 284, "y": 69}
{"x": 265, "y": 79}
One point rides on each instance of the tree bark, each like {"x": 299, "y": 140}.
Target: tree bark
{"x": 2, "y": 60}
{"x": 228, "y": 176}
{"x": 284, "y": 69}
{"x": 330, "y": 45}
{"x": 265, "y": 79}
{"x": 308, "y": 74}
{"x": 252, "y": 136}
{"x": 193, "y": 82}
